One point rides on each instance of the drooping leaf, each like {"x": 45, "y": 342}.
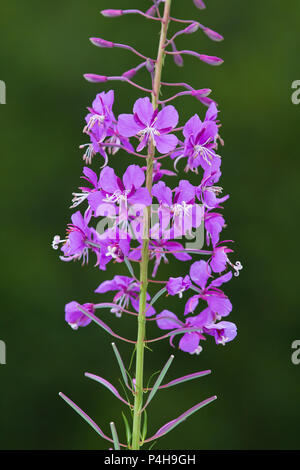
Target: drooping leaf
{"x": 84, "y": 416}
{"x": 108, "y": 385}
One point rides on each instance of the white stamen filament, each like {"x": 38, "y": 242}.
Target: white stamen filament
{"x": 78, "y": 199}
{"x": 117, "y": 197}
{"x": 96, "y": 118}
{"x": 56, "y": 242}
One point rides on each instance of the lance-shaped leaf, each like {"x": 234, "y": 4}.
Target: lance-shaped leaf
{"x": 108, "y": 385}
{"x": 145, "y": 427}
{"x": 101, "y": 323}
{"x": 158, "y": 295}
{"x": 127, "y": 429}
{"x": 186, "y": 378}
{"x": 85, "y": 417}
{"x": 115, "y": 436}
{"x": 129, "y": 267}
{"x": 172, "y": 424}
{"x": 121, "y": 365}
{"x": 159, "y": 380}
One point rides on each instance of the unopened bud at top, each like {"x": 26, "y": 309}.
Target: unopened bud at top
{"x": 211, "y": 60}
{"x": 112, "y": 13}
{"x": 101, "y": 42}
{"x": 93, "y": 78}
{"x": 213, "y": 34}
{"x": 199, "y": 4}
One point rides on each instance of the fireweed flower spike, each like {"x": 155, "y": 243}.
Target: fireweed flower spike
{"x": 138, "y": 220}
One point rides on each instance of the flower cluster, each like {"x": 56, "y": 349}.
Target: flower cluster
{"x": 120, "y": 200}
{"x": 140, "y": 219}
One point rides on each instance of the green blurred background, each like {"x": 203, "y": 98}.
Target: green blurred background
{"x": 43, "y": 54}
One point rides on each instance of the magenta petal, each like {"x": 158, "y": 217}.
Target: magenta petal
{"x": 200, "y": 272}
{"x": 108, "y": 180}
{"x": 191, "y": 304}
{"x": 165, "y": 143}
{"x": 189, "y": 342}
{"x": 141, "y": 196}
{"x": 144, "y": 109}
{"x": 167, "y": 118}
{"x": 162, "y": 193}
{"x": 167, "y": 320}
{"x": 133, "y": 176}
{"x": 127, "y": 126}
{"x": 107, "y": 286}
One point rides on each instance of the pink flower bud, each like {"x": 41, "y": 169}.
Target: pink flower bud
{"x": 213, "y": 34}
{"x": 101, "y": 42}
{"x": 111, "y": 13}
{"x": 178, "y": 60}
{"x": 199, "y": 4}
{"x": 192, "y": 28}
{"x": 201, "y": 93}
{"x": 91, "y": 77}
{"x": 130, "y": 73}
{"x": 150, "y": 66}
{"x": 211, "y": 60}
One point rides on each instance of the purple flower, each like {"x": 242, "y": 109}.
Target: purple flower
{"x": 214, "y": 224}
{"x": 207, "y": 194}
{"x": 91, "y": 177}
{"x": 74, "y": 317}
{"x": 181, "y": 208}
{"x": 114, "y": 246}
{"x": 217, "y": 301}
{"x": 223, "y": 332}
{"x": 120, "y": 192}
{"x": 150, "y": 126}
{"x": 75, "y": 246}
{"x": 101, "y": 116}
{"x": 128, "y": 290}
{"x": 189, "y": 342}
{"x": 177, "y": 285}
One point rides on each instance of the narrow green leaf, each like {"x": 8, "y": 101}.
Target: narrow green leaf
{"x": 158, "y": 295}
{"x": 159, "y": 381}
{"x": 115, "y": 436}
{"x": 121, "y": 364}
{"x": 175, "y": 422}
{"x": 145, "y": 424}
{"x": 127, "y": 429}
{"x": 129, "y": 267}
{"x": 84, "y": 416}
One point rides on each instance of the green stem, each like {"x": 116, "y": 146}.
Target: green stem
{"x": 140, "y": 345}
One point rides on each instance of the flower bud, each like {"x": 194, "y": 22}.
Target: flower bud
{"x": 192, "y": 28}
{"x": 130, "y": 73}
{"x": 150, "y": 66}
{"x": 213, "y": 35}
{"x": 199, "y": 4}
{"x": 111, "y": 13}
{"x": 101, "y": 42}
{"x": 93, "y": 78}
{"x": 211, "y": 60}
{"x": 201, "y": 93}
